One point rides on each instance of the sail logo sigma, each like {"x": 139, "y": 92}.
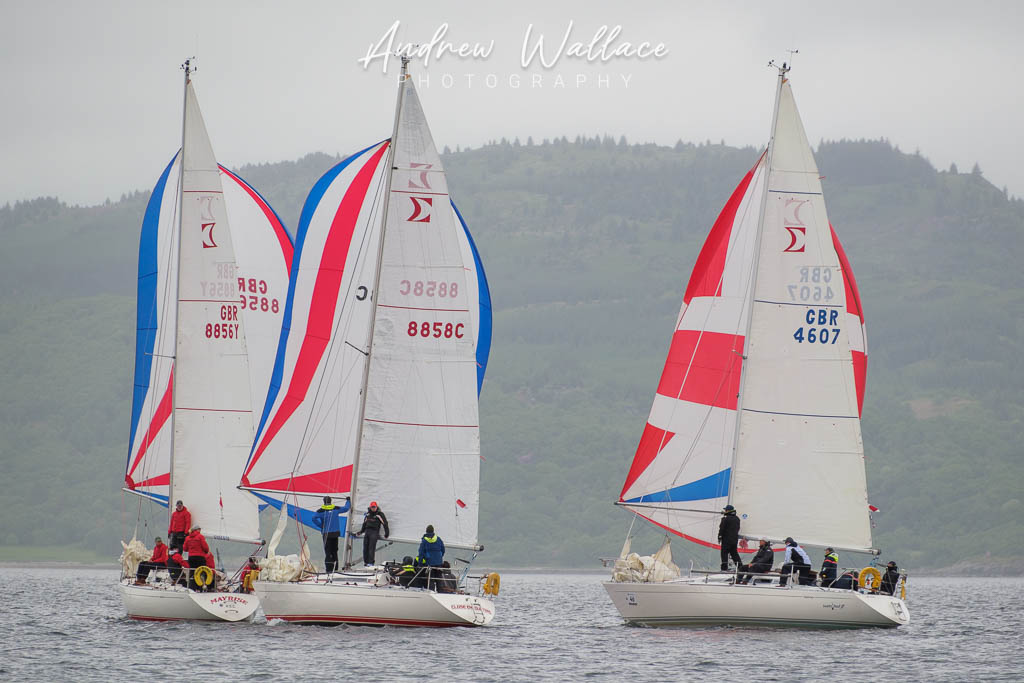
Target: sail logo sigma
{"x": 208, "y": 242}
{"x": 424, "y": 183}
{"x": 797, "y": 239}
{"x": 422, "y": 209}
{"x": 795, "y": 225}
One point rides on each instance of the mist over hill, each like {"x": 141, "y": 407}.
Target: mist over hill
{"x": 588, "y": 245}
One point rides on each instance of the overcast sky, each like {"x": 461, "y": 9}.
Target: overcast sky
{"x": 93, "y": 92}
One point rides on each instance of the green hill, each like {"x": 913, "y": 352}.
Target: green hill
{"x": 588, "y": 246}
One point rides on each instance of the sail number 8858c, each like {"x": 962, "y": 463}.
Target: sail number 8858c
{"x": 436, "y": 330}
{"x": 827, "y": 331}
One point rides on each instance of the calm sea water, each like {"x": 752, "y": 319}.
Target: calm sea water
{"x": 70, "y": 625}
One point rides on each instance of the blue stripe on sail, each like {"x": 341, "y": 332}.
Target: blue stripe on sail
{"x": 302, "y": 514}
{"x": 714, "y": 486}
{"x": 152, "y": 496}
{"x": 308, "y": 208}
{"x": 146, "y": 303}
{"x": 483, "y": 342}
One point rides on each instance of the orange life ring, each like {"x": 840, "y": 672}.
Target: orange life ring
{"x": 870, "y": 577}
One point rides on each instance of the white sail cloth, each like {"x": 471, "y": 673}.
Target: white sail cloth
{"x": 759, "y": 402}
{"x": 419, "y": 452}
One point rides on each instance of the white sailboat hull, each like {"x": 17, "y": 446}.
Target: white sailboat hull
{"x": 176, "y": 603}
{"x": 312, "y": 602}
{"x": 696, "y": 603}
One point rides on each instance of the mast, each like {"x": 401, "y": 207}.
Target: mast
{"x": 404, "y": 76}
{"x": 783, "y": 70}
{"x": 187, "y": 68}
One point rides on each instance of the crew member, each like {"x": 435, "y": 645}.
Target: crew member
{"x": 181, "y": 522}
{"x": 253, "y": 565}
{"x": 446, "y": 582}
{"x": 158, "y": 560}
{"x": 847, "y": 581}
{"x": 328, "y": 519}
{"x": 373, "y": 520}
{"x": 729, "y": 536}
{"x": 431, "y": 553}
{"x": 797, "y": 561}
{"x": 175, "y": 564}
{"x": 196, "y": 549}
{"x": 407, "y": 573}
{"x": 890, "y": 579}
{"x": 762, "y": 562}
{"x": 829, "y": 567}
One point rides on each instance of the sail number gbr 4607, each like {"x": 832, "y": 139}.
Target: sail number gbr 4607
{"x": 822, "y": 326}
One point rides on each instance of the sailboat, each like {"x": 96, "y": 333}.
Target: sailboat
{"x": 214, "y": 260}
{"x": 758, "y": 407}
{"x": 375, "y": 393}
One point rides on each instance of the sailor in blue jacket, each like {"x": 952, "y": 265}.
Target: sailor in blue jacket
{"x": 328, "y": 519}
{"x": 431, "y": 548}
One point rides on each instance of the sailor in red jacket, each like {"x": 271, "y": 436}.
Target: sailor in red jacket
{"x": 196, "y": 549}
{"x": 181, "y": 522}
{"x": 158, "y": 560}
{"x": 175, "y": 563}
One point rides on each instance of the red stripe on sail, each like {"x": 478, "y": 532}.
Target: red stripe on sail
{"x": 651, "y": 443}
{"x": 704, "y": 368}
{"x": 287, "y": 249}
{"x": 331, "y": 481}
{"x": 159, "y": 480}
{"x": 853, "y": 304}
{"x": 860, "y": 374}
{"x": 323, "y": 302}
{"x": 699, "y": 541}
{"x": 706, "y": 278}
{"x": 163, "y": 411}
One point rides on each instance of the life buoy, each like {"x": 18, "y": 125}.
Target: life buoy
{"x": 870, "y": 577}
{"x": 203, "y": 576}
{"x": 492, "y": 584}
{"x": 249, "y": 578}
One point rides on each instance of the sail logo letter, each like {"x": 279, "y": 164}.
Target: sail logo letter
{"x": 424, "y": 183}
{"x": 797, "y": 239}
{"x": 422, "y": 208}
{"x": 208, "y": 242}
{"x": 797, "y": 235}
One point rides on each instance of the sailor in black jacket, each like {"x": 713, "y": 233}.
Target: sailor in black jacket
{"x": 373, "y": 520}
{"x": 762, "y": 562}
{"x": 890, "y": 579}
{"x": 729, "y": 536}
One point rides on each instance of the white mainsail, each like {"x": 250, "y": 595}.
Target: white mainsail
{"x": 191, "y": 325}
{"x": 417, "y": 453}
{"x": 770, "y": 335}
{"x": 420, "y": 450}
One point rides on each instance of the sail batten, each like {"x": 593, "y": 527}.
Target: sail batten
{"x": 760, "y": 399}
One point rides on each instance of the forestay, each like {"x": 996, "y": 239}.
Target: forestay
{"x": 784, "y": 353}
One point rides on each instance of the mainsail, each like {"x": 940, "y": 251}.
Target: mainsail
{"x": 759, "y": 401}
{"x": 191, "y": 421}
{"x": 418, "y": 449}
